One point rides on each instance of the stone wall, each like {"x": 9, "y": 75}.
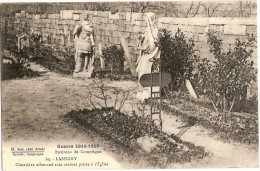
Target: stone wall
{"x": 7, "y": 34}
{"x": 229, "y": 29}
{"x": 57, "y": 29}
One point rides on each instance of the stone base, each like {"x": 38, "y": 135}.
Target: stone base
{"x": 83, "y": 74}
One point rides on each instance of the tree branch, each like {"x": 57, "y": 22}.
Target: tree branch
{"x": 189, "y": 9}
{"x": 89, "y": 98}
{"x": 102, "y": 91}
{"x": 124, "y": 100}
{"x": 231, "y": 107}
{"x": 197, "y": 10}
{"x": 214, "y": 9}
{"x": 215, "y": 107}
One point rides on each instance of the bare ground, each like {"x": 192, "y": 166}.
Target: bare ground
{"x": 32, "y": 109}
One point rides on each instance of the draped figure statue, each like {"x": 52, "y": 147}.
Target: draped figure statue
{"x": 148, "y": 52}
{"x": 147, "y": 47}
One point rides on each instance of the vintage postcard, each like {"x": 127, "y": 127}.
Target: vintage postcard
{"x": 129, "y": 85}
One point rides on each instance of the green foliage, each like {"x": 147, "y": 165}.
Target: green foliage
{"x": 114, "y": 57}
{"x": 225, "y": 79}
{"x": 177, "y": 55}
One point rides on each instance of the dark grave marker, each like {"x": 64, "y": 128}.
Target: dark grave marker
{"x": 146, "y": 79}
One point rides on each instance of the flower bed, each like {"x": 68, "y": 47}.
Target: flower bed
{"x": 124, "y": 131}
{"x": 241, "y": 127}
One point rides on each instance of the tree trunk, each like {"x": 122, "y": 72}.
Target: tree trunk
{"x": 243, "y": 100}
{"x": 224, "y": 109}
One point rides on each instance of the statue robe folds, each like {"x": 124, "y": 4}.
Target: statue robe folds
{"x": 148, "y": 49}
{"x": 148, "y": 52}
{"x": 84, "y": 46}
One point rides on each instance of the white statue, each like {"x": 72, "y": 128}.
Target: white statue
{"x": 148, "y": 52}
{"x": 84, "y": 46}
{"x": 147, "y": 47}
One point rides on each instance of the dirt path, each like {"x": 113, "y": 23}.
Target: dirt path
{"x": 32, "y": 110}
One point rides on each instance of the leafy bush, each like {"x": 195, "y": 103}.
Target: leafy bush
{"x": 53, "y": 59}
{"x": 177, "y": 56}
{"x": 114, "y": 56}
{"x": 224, "y": 81}
{"x": 17, "y": 68}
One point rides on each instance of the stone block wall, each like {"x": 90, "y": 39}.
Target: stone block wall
{"x": 229, "y": 29}
{"x": 8, "y": 33}
{"x": 57, "y": 29}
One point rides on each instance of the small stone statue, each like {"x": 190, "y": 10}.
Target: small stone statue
{"x": 84, "y": 46}
{"x": 23, "y": 42}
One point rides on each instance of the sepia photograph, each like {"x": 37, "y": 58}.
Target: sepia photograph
{"x": 92, "y": 85}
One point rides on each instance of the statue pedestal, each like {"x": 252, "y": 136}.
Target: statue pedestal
{"x": 83, "y": 74}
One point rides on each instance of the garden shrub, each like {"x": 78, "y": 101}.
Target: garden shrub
{"x": 178, "y": 57}
{"x": 114, "y": 57}
{"x": 54, "y": 59}
{"x": 225, "y": 80}
{"x": 18, "y": 68}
